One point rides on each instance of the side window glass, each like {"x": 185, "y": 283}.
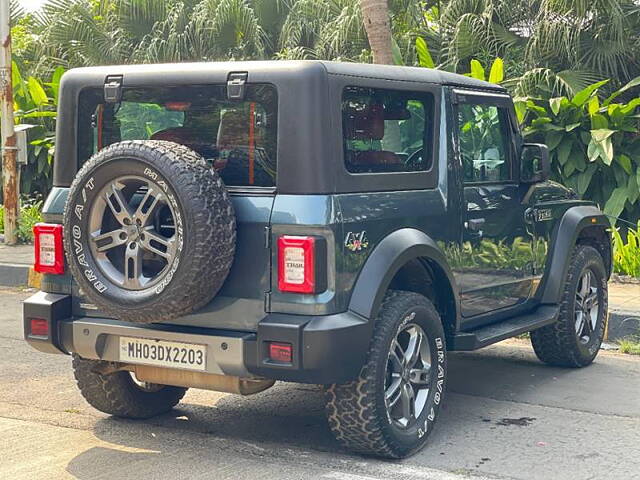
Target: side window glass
{"x": 483, "y": 137}
{"x": 387, "y": 130}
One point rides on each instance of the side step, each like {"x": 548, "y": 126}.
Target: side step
{"x": 488, "y": 334}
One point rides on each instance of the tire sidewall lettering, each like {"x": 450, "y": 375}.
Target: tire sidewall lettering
{"x": 439, "y": 387}
{"x": 79, "y": 249}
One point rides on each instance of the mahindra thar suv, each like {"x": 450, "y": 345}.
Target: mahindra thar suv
{"x": 226, "y": 225}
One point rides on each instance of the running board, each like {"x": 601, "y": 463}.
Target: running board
{"x": 496, "y": 332}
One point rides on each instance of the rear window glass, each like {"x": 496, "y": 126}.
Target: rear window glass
{"x": 387, "y": 130}
{"x": 238, "y": 139}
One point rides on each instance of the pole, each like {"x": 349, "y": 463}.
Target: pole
{"x": 9, "y": 168}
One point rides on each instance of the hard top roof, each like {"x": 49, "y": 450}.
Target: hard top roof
{"x": 389, "y": 72}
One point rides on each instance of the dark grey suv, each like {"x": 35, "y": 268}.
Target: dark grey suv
{"x": 227, "y": 225}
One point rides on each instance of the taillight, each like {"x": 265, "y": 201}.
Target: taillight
{"x": 296, "y": 264}
{"x": 38, "y": 327}
{"x": 49, "y": 254}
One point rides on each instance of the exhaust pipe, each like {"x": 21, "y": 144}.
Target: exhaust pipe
{"x": 206, "y": 381}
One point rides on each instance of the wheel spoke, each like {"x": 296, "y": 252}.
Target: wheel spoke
{"x": 393, "y": 392}
{"x": 396, "y": 355}
{"x": 153, "y": 242}
{"x": 593, "y": 315}
{"x": 585, "y": 285}
{"x": 407, "y": 403}
{"x": 579, "y": 322}
{"x": 118, "y": 205}
{"x": 133, "y": 266}
{"x": 413, "y": 348}
{"x": 148, "y": 205}
{"x": 591, "y": 300}
{"x": 109, "y": 240}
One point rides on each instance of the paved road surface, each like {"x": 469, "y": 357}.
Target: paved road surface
{"x": 506, "y": 416}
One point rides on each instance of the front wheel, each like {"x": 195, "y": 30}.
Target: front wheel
{"x": 575, "y": 338}
{"x": 390, "y": 409}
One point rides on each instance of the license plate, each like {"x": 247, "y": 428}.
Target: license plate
{"x": 162, "y": 353}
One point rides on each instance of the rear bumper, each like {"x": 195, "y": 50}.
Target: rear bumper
{"x": 326, "y": 349}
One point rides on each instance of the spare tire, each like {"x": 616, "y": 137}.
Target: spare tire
{"x": 149, "y": 231}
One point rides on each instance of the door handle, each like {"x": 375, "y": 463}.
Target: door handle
{"x": 474, "y": 224}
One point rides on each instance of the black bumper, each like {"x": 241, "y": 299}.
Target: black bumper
{"x": 326, "y": 349}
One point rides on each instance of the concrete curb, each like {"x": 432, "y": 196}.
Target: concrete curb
{"x": 623, "y": 324}
{"x": 14, "y": 274}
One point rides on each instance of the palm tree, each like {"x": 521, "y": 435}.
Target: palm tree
{"x": 375, "y": 14}
{"x": 581, "y": 40}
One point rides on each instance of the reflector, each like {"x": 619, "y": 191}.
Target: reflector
{"x": 280, "y": 352}
{"x": 39, "y": 327}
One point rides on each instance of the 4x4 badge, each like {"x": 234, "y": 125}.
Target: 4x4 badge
{"x": 356, "y": 241}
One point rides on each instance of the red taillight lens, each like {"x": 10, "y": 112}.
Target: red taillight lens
{"x": 39, "y": 327}
{"x": 49, "y": 254}
{"x": 296, "y": 264}
{"x": 280, "y": 352}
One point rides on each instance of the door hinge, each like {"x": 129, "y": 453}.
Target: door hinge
{"x": 236, "y": 85}
{"x": 267, "y": 302}
{"x": 113, "y": 89}
{"x": 267, "y": 237}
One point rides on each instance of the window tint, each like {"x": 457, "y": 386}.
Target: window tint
{"x": 483, "y": 143}
{"x": 386, "y": 130}
{"x": 238, "y": 139}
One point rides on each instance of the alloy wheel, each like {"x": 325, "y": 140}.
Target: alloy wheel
{"x": 408, "y": 376}
{"x": 132, "y": 232}
{"x": 587, "y": 309}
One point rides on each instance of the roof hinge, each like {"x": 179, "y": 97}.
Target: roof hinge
{"x": 235, "y": 85}
{"x": 113, "y": 89}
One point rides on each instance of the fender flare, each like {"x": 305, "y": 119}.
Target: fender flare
{"x": 393, "y": 252}
{"x": 564, "y": 238}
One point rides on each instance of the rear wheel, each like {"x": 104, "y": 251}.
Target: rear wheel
{"x": 575, "y": 338}
{"x": 390, "y": 409}
{"x": 120, "y": 393}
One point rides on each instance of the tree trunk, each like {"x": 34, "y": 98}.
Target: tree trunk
{"x": 377, "y": 24}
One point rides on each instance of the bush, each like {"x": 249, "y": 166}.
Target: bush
{"x": 626, "y": 256}
{"x": 30, "y": 214}
{"x": 594, "y": 145}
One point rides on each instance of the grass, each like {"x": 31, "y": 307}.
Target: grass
{"x": 630, "y": 346}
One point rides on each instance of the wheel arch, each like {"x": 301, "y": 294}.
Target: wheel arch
{"x": 585, "y": 224}
{"x": 403, "y": 260}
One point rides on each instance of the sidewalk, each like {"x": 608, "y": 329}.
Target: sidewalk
{"x": 14, "y": 264}
{"x": 624, "y": 298}
{"x": 624, "y": 310}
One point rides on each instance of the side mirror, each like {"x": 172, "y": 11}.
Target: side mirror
{"x": 534, "y": 163}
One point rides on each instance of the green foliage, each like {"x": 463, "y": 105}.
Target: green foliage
{"x": 591, "y": 40}
{"x": 35, "y": 104}
{"x": 626, "y": 256}
{"x": 594, "y": 145}
{"x": 30, "y": 214}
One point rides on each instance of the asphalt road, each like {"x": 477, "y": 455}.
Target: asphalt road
{"x": 505, "y": 416}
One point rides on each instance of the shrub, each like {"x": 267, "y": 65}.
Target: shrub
{"x": 594, "y": 145}
{"x": 626, "y": 256}
{"x": 30, "y": 214}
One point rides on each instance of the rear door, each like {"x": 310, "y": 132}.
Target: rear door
{"x": 496, "y": 250}
{"x": 237, "y": 138}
